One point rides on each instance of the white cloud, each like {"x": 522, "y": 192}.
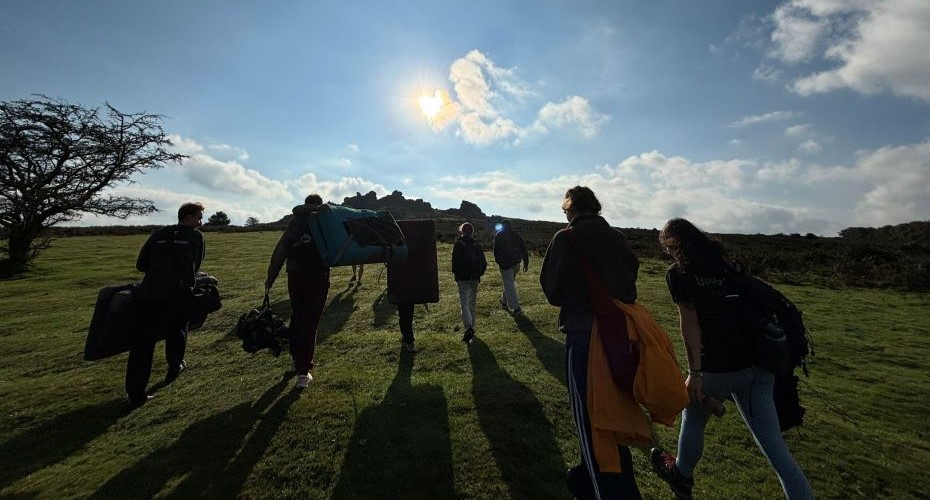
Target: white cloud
{"x": 897, "y": 183}
{"x": 480, "y": 105}
{"x": 763, "y": 118}
{"x": 766, "y": 73}
{"x": 887, "y": 186}
{"x": 810, "y": 146}
{"x": 232, "y": 177}
{"x": 797, "y": 32}
{"x": 874, "y": 45}
{"x": 185, "y": 146}
{"x": 336, "y": 190}
{"x": 354, "y": 148}
{"x": 798, "y": 130}
{"x": 574, "y": 110}
{"x": 736, "y": 142}
{"x": 240, "y": 154}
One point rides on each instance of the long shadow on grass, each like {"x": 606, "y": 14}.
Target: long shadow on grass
{"x": 212, "y": 458}
{"x": 522, "y": 441}
{"x": 400, "y": 448}
{"x": 551, "y": 353}
{"x": 382, "y": 309}
{"x": 55, "y": 440}
{"x": 337, "y": 313}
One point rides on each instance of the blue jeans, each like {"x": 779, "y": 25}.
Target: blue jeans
{"x": 468, "y": 298}
{"x": 751, "y": 389}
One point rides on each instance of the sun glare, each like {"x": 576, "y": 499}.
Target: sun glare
{"x": 431, "y": 105}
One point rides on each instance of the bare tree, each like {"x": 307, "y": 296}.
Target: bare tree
{"x": 58, "y": 158}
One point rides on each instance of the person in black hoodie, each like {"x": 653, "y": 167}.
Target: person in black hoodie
{"x": 509, "y": 250}
{"x": 307, "y": 285}
{"x": 468, "y": 265}
{"x": 564, "y": 282}
{"x": 170, "y": 259}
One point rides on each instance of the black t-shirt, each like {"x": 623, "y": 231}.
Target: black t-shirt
{"x": 715, "y": 293}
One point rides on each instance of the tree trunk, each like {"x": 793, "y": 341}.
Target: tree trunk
{"x": 19, "y": 248}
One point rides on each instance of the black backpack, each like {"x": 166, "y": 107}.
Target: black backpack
{"x": 782, "y": 343}
{"x": 475, "y": 262}
{"x": 776, "y": 323}
{"x": 300, "y": 245}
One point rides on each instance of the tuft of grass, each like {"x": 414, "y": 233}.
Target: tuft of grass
{"x": 489, "y": 420}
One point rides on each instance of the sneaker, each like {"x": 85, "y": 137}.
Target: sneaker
{"x": 173, "y": 373}
{"x": 517, "y": 313}
{"x": 409, "y": 347}
{"x": 137, "y": 402}
{"x": 663, "y": 463}
{"x": 469, "y": 336}
{"x": 303, "y": 380}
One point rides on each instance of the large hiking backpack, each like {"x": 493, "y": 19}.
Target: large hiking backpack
{"x": 261, "y": 329}
{"x": 782, "y": 340}
{"x": 782, "y": 344}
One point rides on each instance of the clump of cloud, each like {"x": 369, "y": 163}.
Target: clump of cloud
{"x": 872, "y": 45}
{"x": 483, "y": 89}
{"x": 772, "y": 116}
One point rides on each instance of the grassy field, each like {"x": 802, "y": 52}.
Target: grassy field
{"x": 489, "y": 420}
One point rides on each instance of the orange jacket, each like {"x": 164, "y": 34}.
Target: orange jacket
{"x": 658, "y": 387}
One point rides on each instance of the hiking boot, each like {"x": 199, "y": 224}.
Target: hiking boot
{"x": 303, "y": 380}
{"x": 503, "y": 303}
{"x": 469, "y": 336}
{"x": 517, "y": 313}
{"x": 663, "y": 463}
{"x": 579, "y": 483}
{"x": 174, "y": 372}
{"x": 409, "y": 347}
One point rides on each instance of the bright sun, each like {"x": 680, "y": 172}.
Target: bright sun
{"x": 430, "y": 105}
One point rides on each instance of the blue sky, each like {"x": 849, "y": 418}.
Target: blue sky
{"x": 764, "y": 116}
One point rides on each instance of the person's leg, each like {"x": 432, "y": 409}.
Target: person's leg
{"x": 508, "y": 277}
{"x": 319, "y": 290}
{"x": 361, "y": 270}
{"x": 298, "y": 290}
{"x": 175, "y": 346}
{"x": 473, "y": 301}
{"x": 139, "y": 365}
{"x": 605, "y": 485}
{"x": 465, "y": 304}
{"x": 405, "y": 318}
{"x": 756, "y": 405}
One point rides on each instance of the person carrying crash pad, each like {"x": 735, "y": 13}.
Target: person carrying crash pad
{"x": 169, "y": 258}
{"x": 307, "y": 285}
{"x": 509, "y": 251}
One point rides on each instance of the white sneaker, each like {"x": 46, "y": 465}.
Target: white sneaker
{"x": 303, "y": 380}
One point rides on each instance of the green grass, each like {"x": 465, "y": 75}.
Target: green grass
{"x": 486, "y": 421}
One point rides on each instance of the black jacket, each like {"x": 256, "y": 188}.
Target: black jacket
{"x": 170, "y": 258}
{"x": 510, "y": 249}
{"x": 563, "y": 279}
{"x": 461, "y": 268}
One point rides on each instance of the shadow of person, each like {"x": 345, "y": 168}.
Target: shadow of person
{"x": 212, "y": 458}
{"x": 520, "y": 435}
{"x": 400, "y": 448}
{"x": 551, "y": 353}
{"x": 337, "y": 313}
{"x": 382, "y": 309}
{"x": 55, "y": 440}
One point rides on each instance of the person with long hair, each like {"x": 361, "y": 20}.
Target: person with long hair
{"x": 706, "y": 290}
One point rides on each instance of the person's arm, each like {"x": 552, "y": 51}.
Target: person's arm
{"x": 456, "y": 258}
{"x": 200, "y": 250}
{"x": 552, "y": 277}
{"x": 691, "y": 334}
{"x": 277, "y": 260}
{"x": 142, "y": 261}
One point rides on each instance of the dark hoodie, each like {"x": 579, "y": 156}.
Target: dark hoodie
{"x": 563, "y": 279}
{"x": 461, "y": 268}
{"x": 294, "y": 230}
